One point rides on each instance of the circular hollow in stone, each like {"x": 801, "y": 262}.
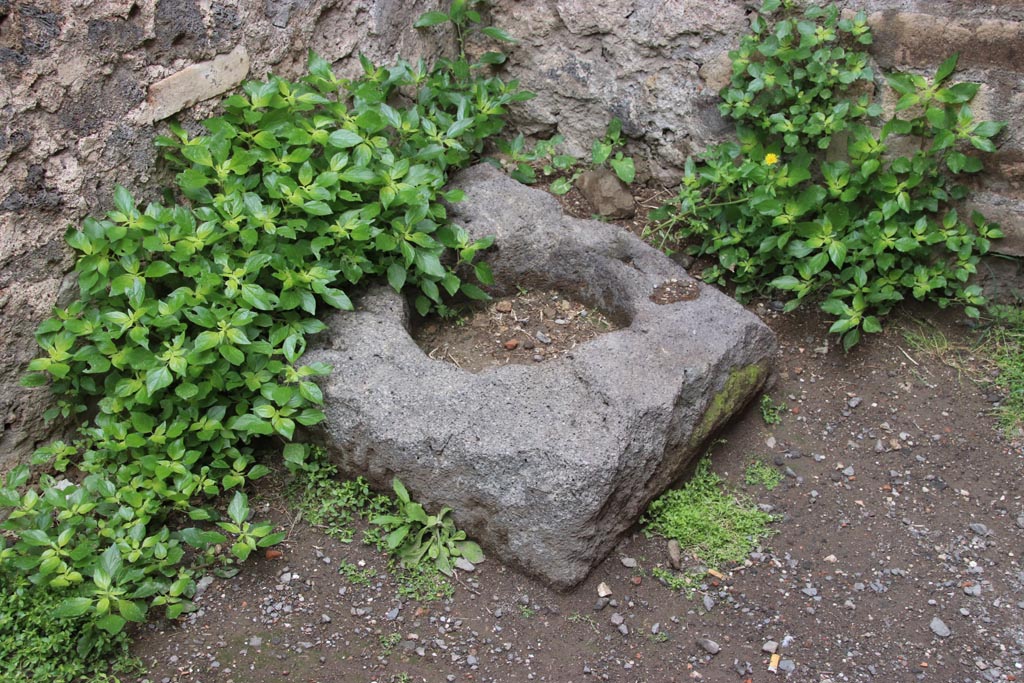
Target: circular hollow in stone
{"x": 528, "y": 327}
{"x": 673, "y": 290}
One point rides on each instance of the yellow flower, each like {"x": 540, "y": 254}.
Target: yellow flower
{"x": 771, "y": 158}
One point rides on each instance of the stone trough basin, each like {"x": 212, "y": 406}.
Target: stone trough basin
{"x": 546, "y": 465}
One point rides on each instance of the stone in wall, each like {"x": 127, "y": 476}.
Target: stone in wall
{"x": 639, "y": 60}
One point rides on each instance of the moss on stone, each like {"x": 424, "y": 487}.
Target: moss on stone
{"x": 742, "y": 383}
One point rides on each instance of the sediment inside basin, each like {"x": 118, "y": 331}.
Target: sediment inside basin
{"x": 528, "y": 327}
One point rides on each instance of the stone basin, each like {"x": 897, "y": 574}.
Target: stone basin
{"x": 546, "y": 466}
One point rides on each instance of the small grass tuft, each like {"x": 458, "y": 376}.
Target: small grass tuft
{"x": 422, "y": 583}
{"x": 760, "y": 473}
{"x": 579, "y": 618}
{"x": 335, "y": 506}
{"x": 1005, "y": 346}
{"x": 717, "y": 527}
{"x": 771, "y": 412}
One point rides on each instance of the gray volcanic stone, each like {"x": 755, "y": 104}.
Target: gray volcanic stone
{"x": 545, "y": 465}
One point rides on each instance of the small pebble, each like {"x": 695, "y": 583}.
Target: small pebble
{"x": 710, "y": 646}
{"x": 939, "y": 628}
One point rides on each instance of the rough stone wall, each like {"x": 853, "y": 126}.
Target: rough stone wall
{"x": 80, "y": 82}
{"x": 659, "y": 64}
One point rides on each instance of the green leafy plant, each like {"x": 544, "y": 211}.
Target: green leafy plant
{"x": 388, "y": 643}
{"x": 524, "y": 163}
{"x": 760, "y": 473}
{"x": 579, "y": 618}
{"x": 824, "y": 194}
{"x": 36, "y": 646}
{"x": 331, "y": 504}
{"x": 355, "y": 575}
{"x": 686, "y": 582}
{"x": 183, "y": 347}
{"x": 771, "y": 412}
{"x": 468, "y": 23}
{"x": 248, "y": 536}
{"x": 608, "y": 150}
{"x": 417, "y": 538}
{"x": 423, "y": 583}
{"x": 716, "y": 527}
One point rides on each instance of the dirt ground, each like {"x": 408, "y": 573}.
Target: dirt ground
{"x": 896, "y": 556}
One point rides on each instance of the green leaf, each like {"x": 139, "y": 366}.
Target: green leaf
{"x": 271, "y": 539}
{"x": 396, "y": 276}
{"x": 869, "y": 167}
{"x": 337, "y": 298}
{"x": 561, "y": 186}
{"x": 416, "y": 513}
{"x": 157, "y": 379}
{"x": 110, "y": 561}
{"x": 344, "y": 139}
{"x": 945, "y": 69}
{"x": 907, "y": 244}
{"x": 395, "y": 538}
{"x": 295, "y": 454}
{"x": 871, "y": 324}
{"x": 988, "y": 129}
{"x": 34, "y": 379}
{"x": 624, "y": 169}
{"x": 158, "y": 269}
{"x": 837, "y": 253}
{"x": 231, "y": 354}
{"x": 400, "y": 490}
{"x": 474, "y": 292}
{"x": 498, "y": 34}
{"x": 599, "y": 152}
{"x": 238, "y": 509}
{"x": 111, "y": 623}
{"x": 484, "y": 274}
{"x": 785, "y": 282}
{"x": 206, "y": 340}
{"x": 493, "y": 58}
{"x": 428, "y": 19}
{"x": 471, "y": 551}
{"x": 131, "y": 610}
{"x": 460, "y": 127}
{"x": 123, "y": 201}
{"x": 429, "y": 263}
{"x": 72, "y": 607}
